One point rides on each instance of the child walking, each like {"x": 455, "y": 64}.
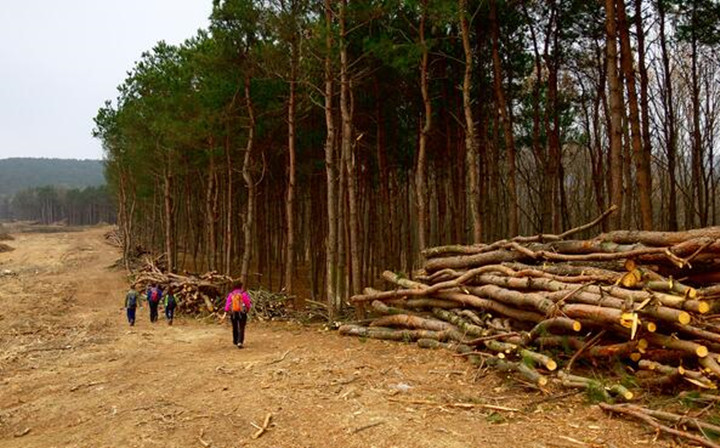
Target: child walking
{"x": 238, "y": 304}
{"x": 154, "y": 294}
{"x": 131, "y": 302}
{"x": 169, "y": 305}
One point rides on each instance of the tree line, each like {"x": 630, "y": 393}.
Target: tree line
{"x": 50, "y": 204}
{"x": 313, "y": 144}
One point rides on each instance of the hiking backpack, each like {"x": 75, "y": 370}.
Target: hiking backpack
{"x": 237, "y": 301}
{"x": 132, "y": 299}
{"x": 154, "y": 295}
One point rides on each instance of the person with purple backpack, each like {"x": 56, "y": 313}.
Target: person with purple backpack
{"x": 238, "y": 304}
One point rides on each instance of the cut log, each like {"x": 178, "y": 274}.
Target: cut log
{"x": 649, "y": 420}
{"x": 412, "y": 322}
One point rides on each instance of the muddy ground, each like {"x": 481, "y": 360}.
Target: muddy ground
{"x": 74, "y": 374}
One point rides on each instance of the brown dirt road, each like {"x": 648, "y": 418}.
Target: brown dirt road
{"x": 74, "y": 374}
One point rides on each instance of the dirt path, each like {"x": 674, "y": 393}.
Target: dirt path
{"x": 73, "y": 374}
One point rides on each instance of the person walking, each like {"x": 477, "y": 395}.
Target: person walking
{"x": 131, "y": 303}
{"x": 238, "y": 304}
{"x": 169, "y": 303}
{"x": 154, "y": 295}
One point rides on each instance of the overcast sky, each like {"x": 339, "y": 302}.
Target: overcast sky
{"x": 60, "y": 60}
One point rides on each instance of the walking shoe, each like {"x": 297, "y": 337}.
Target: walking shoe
{"x": 239, "y": 345}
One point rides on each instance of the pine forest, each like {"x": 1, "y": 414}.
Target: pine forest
{"x": 311, "y": 146}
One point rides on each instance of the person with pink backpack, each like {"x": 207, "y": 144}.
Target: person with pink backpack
{"x": 238, "y": 304}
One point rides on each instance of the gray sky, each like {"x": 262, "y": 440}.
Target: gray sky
{"x": 60, "y": 60}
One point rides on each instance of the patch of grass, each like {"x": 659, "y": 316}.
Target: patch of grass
{"x": 528, "y": 361}
{"x": 595, "y": 393}
{"x": 628, "y": 380}
{"x": 495, "y": 418}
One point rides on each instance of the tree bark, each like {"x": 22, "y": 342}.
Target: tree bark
{"x": 669, "y": 116}
{"x": 249, "y": 222}
{"x": 420, "y": 173}
{"x": 290, "y": 199}
{"x": 331, "y": 254}
{"x": 506, "y": 121}
{"x": 642, "y": 162}
{"x": 470, "y": 134}
{"x": 616, "y": 104}
{"x": 349, "y": 157}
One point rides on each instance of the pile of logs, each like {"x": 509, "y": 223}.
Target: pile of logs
{"x": 536, "y": 305}
{"x": 196, "y": 294}
{"x": 269, "y": 305}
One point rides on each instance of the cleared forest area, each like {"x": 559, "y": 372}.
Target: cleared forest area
{"x": 73, "y": 374}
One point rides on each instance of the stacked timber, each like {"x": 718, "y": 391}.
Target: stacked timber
{"x": 195, "y": 293}
{"x": 534, "y": 304}
{"x": 268, "y": 305}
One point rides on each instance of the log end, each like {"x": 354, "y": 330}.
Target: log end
{"x": 542, "y": 381}
{"x": 551, "y": 365}
{"x": 576, "y": 326}
{"x": 684, "y": 317}
{"x": 635, "y": 357}
{"x": 703, "y": 307}
{"x": 701, "y": 351}
{"x": 651, "y": 327}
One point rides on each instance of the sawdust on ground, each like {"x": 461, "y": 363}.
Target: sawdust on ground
{"x": 74, "y": 374}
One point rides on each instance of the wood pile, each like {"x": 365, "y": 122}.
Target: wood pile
{"x": 269, "y": 305}
{"x": 113, "y": 238}
{"x": 537, "y": 305}
{"x": 196, "y": 294}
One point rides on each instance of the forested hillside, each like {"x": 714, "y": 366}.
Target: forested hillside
{"x": 322, "y": 142}
{"x": 21, "y": 173}
{"x": 51, "y": 190}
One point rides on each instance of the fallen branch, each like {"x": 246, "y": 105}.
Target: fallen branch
{"x": 456, "y": 405}
{"x": 619, "y": 409}
{"x": 261, "y": 430}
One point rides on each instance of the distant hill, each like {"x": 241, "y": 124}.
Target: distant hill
{"x": 21, "y": 173}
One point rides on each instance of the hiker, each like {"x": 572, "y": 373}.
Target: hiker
{"x": 131, "y": 303}
{"x": 238, "y": 304}
{"x": 154, "y": 294}
{"x": 169, "y": 303}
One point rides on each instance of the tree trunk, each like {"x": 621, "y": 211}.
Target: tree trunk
{"x": 249, "y": 221}
{"x": 506, "y": 121}
{"x": 228, "y": 207}
{"x": 290, "y": 199}
{"x": 211, "y": 241}
{"x": 169, "y": 218}
{"x": 420, "y": 173}
{"x": 331, "y": 254}
{"x": 470, "y": 135}
{"x": 642, "y": 168}
{"x": 671, "y": 138}
{"x": 644, "y": 99}
{"x": 698, "y": 189}
{"x": 349, "y": 157}
{"x": 616, "y": 105}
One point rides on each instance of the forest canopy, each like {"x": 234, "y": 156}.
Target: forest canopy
{"x": 322, "y": 142}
